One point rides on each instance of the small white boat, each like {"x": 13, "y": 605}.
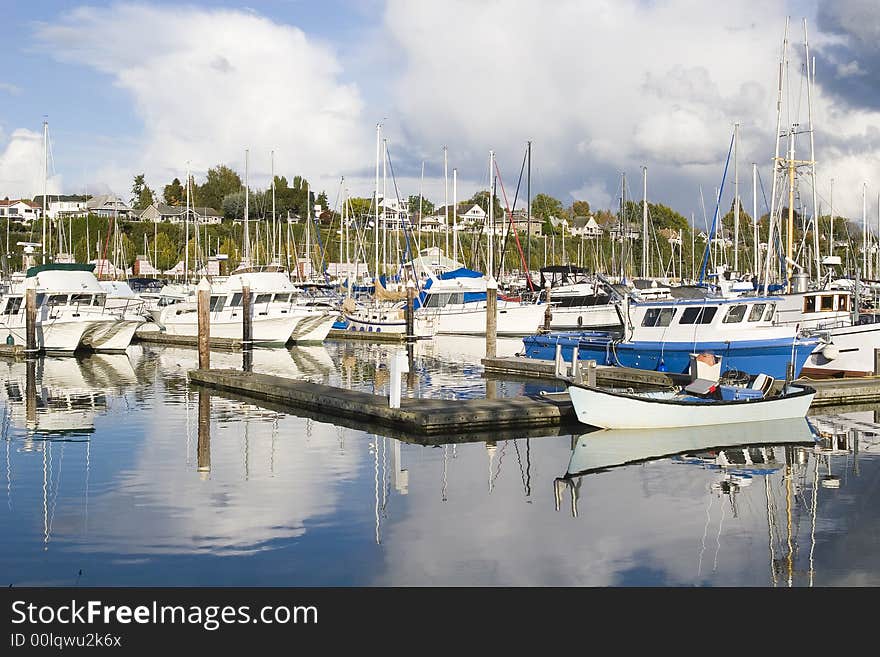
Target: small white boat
{"x": 690, "y": 407}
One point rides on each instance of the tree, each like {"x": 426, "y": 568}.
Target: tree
{"x": 322, "y": 200}
{"x": 221, "y": 181}
{"x": 481, "y": 198}
{"x": 166, "y": 252}
{"x": 230, "y": 248}
{"x": 232, "y": 205}
{"x": 545, "y": 206}
{"x": 580, "y": 209}
{"x": 413, "y": 206}
{"x": 174, "y": 193}
{"x": 141, "y": 195}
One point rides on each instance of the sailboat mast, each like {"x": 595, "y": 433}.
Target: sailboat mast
{"x": 644, "y": 222}
{"x": 376, "y": 206}
{"x": 789, "y": 242}
{"x": 776, "y": 158}
{"x": 275, "y": 250}
{"x": 491, "y": 259}
{"x": 455, "y": 214}
{"x": 529, "y": 210}
{"x": 831, "y": 221}
{"x": 247, "y": 232}
{"x": 421, "y": 194}
{"x": 755, "y": 234}
{"x": 384, "y": 204}
{"x": 45, "y": 183}
{"x": 865, "y": 230}
{"x": 186, "y": 228}
{"x": 811, "y": 71}
{"x": 445, "y": 203}
{"x": 735, "y": 198}
{"x": 308, "y": 246}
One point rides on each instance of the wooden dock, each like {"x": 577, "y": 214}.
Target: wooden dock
{"x": 160, "y": 337}
{"x": 418, "y": 416}
{"x": 14, "y": 351}
{"x": 366, "y": 336}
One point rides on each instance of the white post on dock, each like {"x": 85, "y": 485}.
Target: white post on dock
{"x": 399, "y": 364}
{"x": 491, "y": 317}
{"x": 203, "y": 306}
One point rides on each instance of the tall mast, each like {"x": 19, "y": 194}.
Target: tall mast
{"x": 865, "y": 230}
{"x": 490, "y": 241}
{"x": 376, "y": 205}
{"x": 789, "y": 241}
{"x": 247, "y": 232}
{"x": 776, "y": 158}
{"x": 455, "y": 214}
{"x": 308, "y": 246}
{"x": 735, "y": 198}
{"x": 186, "y": 225}
{"x": 756, "y": 234}
{"x": 529, "y": 210}
{"x": 275, "y": 249}
{"x": 644, "y": 223}
{"x": 384, "y": 204}
{"x": 421, "y": 185}
{"x": 811, "y": 71}
{"x": 446, "y": 203}
{"x": 45, "y": 184}
{"x": 831, "y": 227}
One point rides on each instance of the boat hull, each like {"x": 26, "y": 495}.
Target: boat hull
{"x": 111, "y": 336}
{"x": 514, "y": 319}
{"x": 768, "y": 356}
{"x": 612, "y": 410}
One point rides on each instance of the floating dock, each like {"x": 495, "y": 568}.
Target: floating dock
{"x": 160, "y": 337}
{"x": 366, "y": 336}
{"x": 829, "y": 392}
{"x": 15, "y": 351}
{"x": 418, "y": 416}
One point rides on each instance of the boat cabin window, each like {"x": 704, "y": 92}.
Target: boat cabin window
{"x": 217, "y": 303}
{"x": 263, "y": 298}
{"x": 735, "y": 314}
{"x": 827, "y": 302}
{"x": 698, "y": 315}
{"x": 13, "y": 305}
{"x": 440, "y": 299}
{"x": 81, "y": 299}
{"x": 282, "y": 298}
{"x": 236, "y": 299}
{"x": 842, "y": 302}
{"x": 57, "y": 299}
{"x": 658, "y": 317}
{"x": 40, "y": 299}
{"x": 99, "y": 299}
{"x": 757, "y": 312}
{"x": 809, "y": 304}
{"x": 769, "y": 314}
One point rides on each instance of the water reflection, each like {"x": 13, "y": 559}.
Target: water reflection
{"x": 119, "y": 473}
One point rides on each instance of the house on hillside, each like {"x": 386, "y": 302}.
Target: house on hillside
{"x": 108, "y": 205}
{"x": 20, "y": 210}
{"x": 64, "y": 206}
{"x": 585, "y": 227}
{"x": 176, "y": 214}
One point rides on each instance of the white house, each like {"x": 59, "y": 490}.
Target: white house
{"x": 476, "y": 215}
{"x": 585, "y": 227}
{"x": 63, "y": 206}
{"x": 394, "y": 212}
{"x": 108, "y": 205}
{"x": 177, "y": 214}
{"x": 19, "y": 210}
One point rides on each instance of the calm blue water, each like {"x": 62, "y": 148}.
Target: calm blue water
{"x": 109, "y": 481}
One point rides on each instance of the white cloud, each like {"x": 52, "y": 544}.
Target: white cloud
{"x": 210, "y": 83}
{"x": 10, "y": 88}
{"x": 21, "y": 166}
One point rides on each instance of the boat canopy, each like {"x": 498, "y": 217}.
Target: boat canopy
{"x": 60, "y": 266}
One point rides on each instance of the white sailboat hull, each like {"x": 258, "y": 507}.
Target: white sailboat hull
{"x": 264, "y": 329}
{"x": 514, "y": 319}
{"x": 572, "y": 318}
{"x": 314, "y": 327}
{"x": 111, "y": 336}
{"x": 611, "y": 410}
{"x": 851, "y": 352}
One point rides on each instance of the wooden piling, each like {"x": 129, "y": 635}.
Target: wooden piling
{"x": 30, "y": 398}
{"x": 876, "y": 362}
{"x": 31, "y": 321}
{"x": 548, "y": 313}
{"x": 491, "y": 317}
{"x": 247, "y": 319}
{"x": 204, "y": 313}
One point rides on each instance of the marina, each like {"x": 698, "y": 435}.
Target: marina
{"x": 266, "y": 338}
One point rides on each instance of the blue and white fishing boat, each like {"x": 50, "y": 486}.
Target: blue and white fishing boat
{"x": 664, "y": 336}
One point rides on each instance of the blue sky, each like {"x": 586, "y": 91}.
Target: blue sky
{"x": 600, "y": 87}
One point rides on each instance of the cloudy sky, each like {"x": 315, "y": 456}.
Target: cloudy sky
{"x": 599, "y": 87}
